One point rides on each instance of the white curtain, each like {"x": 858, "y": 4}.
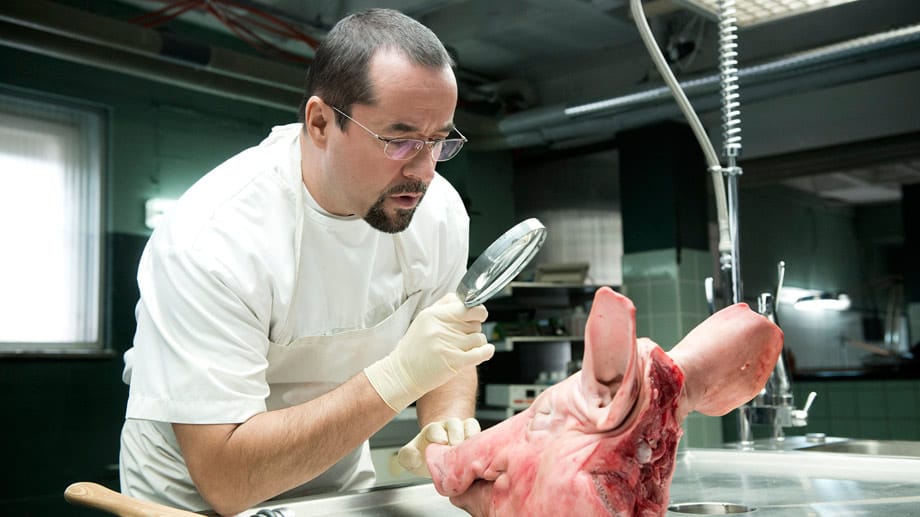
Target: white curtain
{"x": 50, "y": 226}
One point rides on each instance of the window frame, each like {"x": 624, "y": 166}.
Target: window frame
{"x": 93, "y": 129}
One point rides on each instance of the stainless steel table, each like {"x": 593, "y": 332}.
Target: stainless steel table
{"x": 765, "y": 483}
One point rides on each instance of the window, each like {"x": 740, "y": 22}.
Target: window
{"x": 50, "y": 226}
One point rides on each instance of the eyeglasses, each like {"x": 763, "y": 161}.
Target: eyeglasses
{"x": 406, "y": 148}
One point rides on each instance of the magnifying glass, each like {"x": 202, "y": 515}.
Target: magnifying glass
{"x": 501, "y": 262}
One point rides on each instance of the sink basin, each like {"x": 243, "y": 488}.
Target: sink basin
{"x": 821, "y": 443}
{"x": 876, "y": 447}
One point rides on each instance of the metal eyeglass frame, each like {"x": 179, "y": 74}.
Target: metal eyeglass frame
{"x": 418, "y": 143}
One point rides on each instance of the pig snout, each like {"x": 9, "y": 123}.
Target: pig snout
{"x": 727, "y": 359}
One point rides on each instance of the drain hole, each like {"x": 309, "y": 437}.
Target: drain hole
{"x": 711, "y": 508}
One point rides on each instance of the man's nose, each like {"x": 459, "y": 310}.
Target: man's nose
{"x": 421, "y": 166}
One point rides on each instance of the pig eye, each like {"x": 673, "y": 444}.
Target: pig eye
{"x": 543, "y": 405}
{"x": 541, "y": 421}
{"x": 542, "y": 416}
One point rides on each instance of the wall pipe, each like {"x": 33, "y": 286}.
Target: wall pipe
{"x": 66, "y": 33}
{"x": 604, "y": 126}
{"x": 52, "y": 29}
{"x": 811, "y": 61}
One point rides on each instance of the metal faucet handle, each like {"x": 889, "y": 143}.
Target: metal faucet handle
{"x": 800, "y": 416}
{"x": 765, "y": 305}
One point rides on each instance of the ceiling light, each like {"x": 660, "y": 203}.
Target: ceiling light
{"x": 823, "y": 302}
{"x": 754, "y": 12}
{"x": 788, "y": 295}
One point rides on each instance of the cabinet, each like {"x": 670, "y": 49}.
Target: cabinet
{"x": 531, "y": 326}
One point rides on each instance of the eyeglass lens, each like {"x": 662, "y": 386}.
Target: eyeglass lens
{"x": 403, "y": 149}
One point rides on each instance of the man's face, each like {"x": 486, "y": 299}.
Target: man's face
{"x": 412, "y": 102}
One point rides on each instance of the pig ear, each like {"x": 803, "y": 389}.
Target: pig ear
{"x": 609, "y": 370}
{"x": 727, "y": 359}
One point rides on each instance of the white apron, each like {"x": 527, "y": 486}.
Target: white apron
{"x": 329, "y": 361}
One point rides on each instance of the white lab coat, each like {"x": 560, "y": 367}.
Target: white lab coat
{"x": 253, "y": 298}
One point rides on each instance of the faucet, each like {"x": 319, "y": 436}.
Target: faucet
{"x": 774, "y": 405}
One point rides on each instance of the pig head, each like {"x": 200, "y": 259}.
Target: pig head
{"x": 604, "y": 441}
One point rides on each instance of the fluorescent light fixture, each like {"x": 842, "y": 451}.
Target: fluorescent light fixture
{"x": 754, "y": 12}
{"x": 156, "y": 209}
{"x": 789, "y": 295}
{"x": 823, "y": 302}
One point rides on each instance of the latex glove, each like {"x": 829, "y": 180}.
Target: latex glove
{"x": 446, "y": 432}
{"x": 444, "y": 338}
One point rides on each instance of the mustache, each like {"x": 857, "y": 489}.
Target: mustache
{"x": 411, "y": 187}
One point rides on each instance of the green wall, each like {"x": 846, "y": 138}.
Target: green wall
{"x": 875, "y": 408}
{"x": 64, "y": 415}
{"x": 485, "y": 181}
{"x": 663, "y": 194}
{"x": 878, "y": 409}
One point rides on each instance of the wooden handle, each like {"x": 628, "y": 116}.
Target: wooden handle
{"x": 101, "y": 498}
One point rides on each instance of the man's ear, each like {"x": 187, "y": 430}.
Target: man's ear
{"x": 317, "y": 121}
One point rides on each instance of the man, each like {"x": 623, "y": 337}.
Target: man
{"x": 273, "y": 330}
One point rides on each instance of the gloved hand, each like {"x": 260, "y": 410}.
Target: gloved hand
{"x": 443, "y": 339}
{"x": 446, "y": 432}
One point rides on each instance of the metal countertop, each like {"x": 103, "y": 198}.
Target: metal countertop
{"x": 773, "y": 483}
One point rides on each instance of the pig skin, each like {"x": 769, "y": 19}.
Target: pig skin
{"x": 604, "y": 441}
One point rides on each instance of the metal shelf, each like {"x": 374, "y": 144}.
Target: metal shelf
{"x": 507, "y": 344}
{"x": 495, "y": 413}
{"x": 584, "y": 288}
{"x": 553, "y": 285}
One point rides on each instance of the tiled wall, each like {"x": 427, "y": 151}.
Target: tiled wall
{"x": 669, "y": 298}
{"x": 876, "y": 409}
{"x": 702, "y": 431}
{"x": 668, "y": 294}
{"x": 886, "y": 409}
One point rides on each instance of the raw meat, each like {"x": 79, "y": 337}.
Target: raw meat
{"x": 604, "y": 441}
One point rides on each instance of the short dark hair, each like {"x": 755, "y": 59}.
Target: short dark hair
{"x": 340, "y": 74}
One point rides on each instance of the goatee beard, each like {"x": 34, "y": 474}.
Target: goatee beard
{"x": 399, "y": 221}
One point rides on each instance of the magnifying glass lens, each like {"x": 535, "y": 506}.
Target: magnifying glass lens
{"x": 503, "y": 260}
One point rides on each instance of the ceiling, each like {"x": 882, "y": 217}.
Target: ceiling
{"x": 524, "y": 58}
{"x": 863, "y": 185}
{"x": 573, "y": 50}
